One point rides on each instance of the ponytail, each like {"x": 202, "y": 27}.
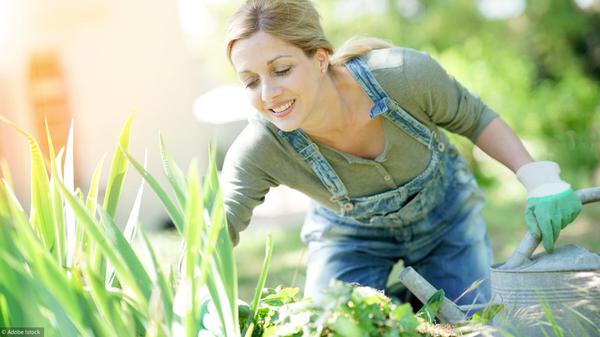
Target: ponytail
{"x": 355, "y": 47}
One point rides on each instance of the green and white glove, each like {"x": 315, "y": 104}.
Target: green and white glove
{"x": 551, "y": 203}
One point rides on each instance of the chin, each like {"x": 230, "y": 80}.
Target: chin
{"x": 287, "y": 127}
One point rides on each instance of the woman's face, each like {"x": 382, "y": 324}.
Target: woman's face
{"x": 282, "y": 83}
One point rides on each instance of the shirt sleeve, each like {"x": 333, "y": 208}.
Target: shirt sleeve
{"x": 449, "y": 104}
{"x": 244, "y": 183}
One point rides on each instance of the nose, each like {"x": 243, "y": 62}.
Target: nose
{"x": 270, "y": 90}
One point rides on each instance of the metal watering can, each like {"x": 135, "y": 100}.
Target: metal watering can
{"x": 539, "y": 292}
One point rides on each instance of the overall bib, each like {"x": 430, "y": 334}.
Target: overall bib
{"x": 431, "y": 222}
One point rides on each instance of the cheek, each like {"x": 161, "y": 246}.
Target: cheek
{"x": 307, "y": 86}
{"x": 253, "y": 97}
{"x": 307, "y": 80}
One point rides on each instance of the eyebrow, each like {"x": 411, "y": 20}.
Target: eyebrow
{"x": 268, "y": 62}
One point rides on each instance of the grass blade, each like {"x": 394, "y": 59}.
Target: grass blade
{"x": 430, "y": 310}
{"x": 17, "y": 214}
{"x": 118, "y": 170}
{"x": 174, "y": 174}
{"x": 193, "y": 223}
{"x": 108, "y": 248}
{"x": 132, "y": 222}
{"x": 4, "y": 210}
{"x": 69, "y": 180}
{"x": 261, "y": 283}
{"x": 166, "y": 290}
{"x": 92, "y": 196}
{"x": 56, "y": 201}
{"x": 106, "y": 306}
{"x": 45, "y": 272}
{"x": 41, "y": 211}
{"x": 222, "y": 277}
{"x": 5, "y": 171}
{"x": 226, "y": 258}
{"x": 136, "y": 275}
{"x": 58, "y": 210}
{"x": 174, "y": 213}
{"x": 89, "y": 248}
{"x": 5, "y": 182}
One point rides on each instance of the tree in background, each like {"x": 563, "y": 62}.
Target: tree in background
{"x": 539, "y": 69}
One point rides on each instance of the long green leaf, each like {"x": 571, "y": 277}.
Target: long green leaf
{"x": 261, "y": 284}
{"x": 131, "y": 227}
{"x": 44, "y": 268}
{"x": 154, "y": 325}
{"x": 114, "y": 186}
{"x": 193, "y": 223}
{"x": 174, "y": 213}
{"x": 64, "y": 321}
{"x": 226, "y": 258}
{"x": 430, "y": 310}
{"x": 166, "y": 291}
{"x": 89, "y": 248}
{"x": 132, "y": 223}
{"x": 222, "y": 277}
{"x": 70, "y": 225}
{"x": 118, "y": 170}
{"x": 56, "y": 199}
{"x": 94, "y": 230}
{"x": 10, "y": 257}
{"x": 4, "y": 210}
{"x": 59, "y": 229}
{"x": 134, "y": 266}
{"x": 5, "y": 172}
{"x": 92, "y": 196}
{"x": 226, "y": 307}
{"x": 22, "y": 312}
{"x": 41, "y": 210}
{"x": 17, "y": 214}
{"x": 105, "y": 304}
{"x": 174, "y": 174}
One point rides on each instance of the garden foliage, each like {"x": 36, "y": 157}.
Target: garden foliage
{"x": 68, "y": 267}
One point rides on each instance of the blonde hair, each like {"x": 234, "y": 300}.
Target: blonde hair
{"x": 298, "y": 23}
{"x": 355, "y": 47}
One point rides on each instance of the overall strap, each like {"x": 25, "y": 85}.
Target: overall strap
{"x": 309, "y": 151}
{"x": 384, "y": 105}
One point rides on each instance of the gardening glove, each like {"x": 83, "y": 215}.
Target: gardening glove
{"x": 551, "y": 203}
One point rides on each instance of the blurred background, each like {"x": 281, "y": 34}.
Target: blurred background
{"x": 95, "y": 62}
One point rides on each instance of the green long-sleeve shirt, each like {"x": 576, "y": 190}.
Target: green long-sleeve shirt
{"x": 260, "y": 159}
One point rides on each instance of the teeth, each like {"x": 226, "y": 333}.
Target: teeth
{"x": 283, "y": 107}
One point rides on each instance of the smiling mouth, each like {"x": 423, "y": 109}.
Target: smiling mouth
{"x": 283, "y": 109}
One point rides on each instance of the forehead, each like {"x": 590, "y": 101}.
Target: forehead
{"x": 258, "y": 49}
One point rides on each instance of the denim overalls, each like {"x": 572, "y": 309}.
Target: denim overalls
{"x": 432, "y": 222}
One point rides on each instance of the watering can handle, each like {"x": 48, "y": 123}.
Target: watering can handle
{"x": 528, "y": 244}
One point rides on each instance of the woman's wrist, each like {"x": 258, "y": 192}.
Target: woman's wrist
{"x": 541, "y": 178}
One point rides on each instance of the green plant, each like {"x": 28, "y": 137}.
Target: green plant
{"x": 79, "y": 270}
{"x": 81, "y": 276}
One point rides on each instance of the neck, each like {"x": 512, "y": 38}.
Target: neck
{"x": 333, "y": 114}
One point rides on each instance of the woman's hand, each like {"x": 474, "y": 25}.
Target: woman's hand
{"x": 551, "y": 203}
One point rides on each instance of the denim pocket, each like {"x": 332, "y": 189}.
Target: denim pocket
{"x": 411, "y": 211}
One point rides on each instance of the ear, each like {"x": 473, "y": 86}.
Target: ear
{"x": 322, "y": 56}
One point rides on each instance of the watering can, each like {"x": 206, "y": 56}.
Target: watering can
{"x": 539, "y": 293}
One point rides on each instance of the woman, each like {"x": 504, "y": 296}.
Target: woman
{"x": 358, "y": 131}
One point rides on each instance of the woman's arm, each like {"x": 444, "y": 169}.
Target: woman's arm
{"x": 551, "y": 203}
{"x": 500, "y": 142}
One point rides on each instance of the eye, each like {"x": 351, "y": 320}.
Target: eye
{"x": 283, "y": 72}
{"x": 251, "y": 84}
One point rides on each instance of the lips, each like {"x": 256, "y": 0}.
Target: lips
{"x": 282, "y": 110}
